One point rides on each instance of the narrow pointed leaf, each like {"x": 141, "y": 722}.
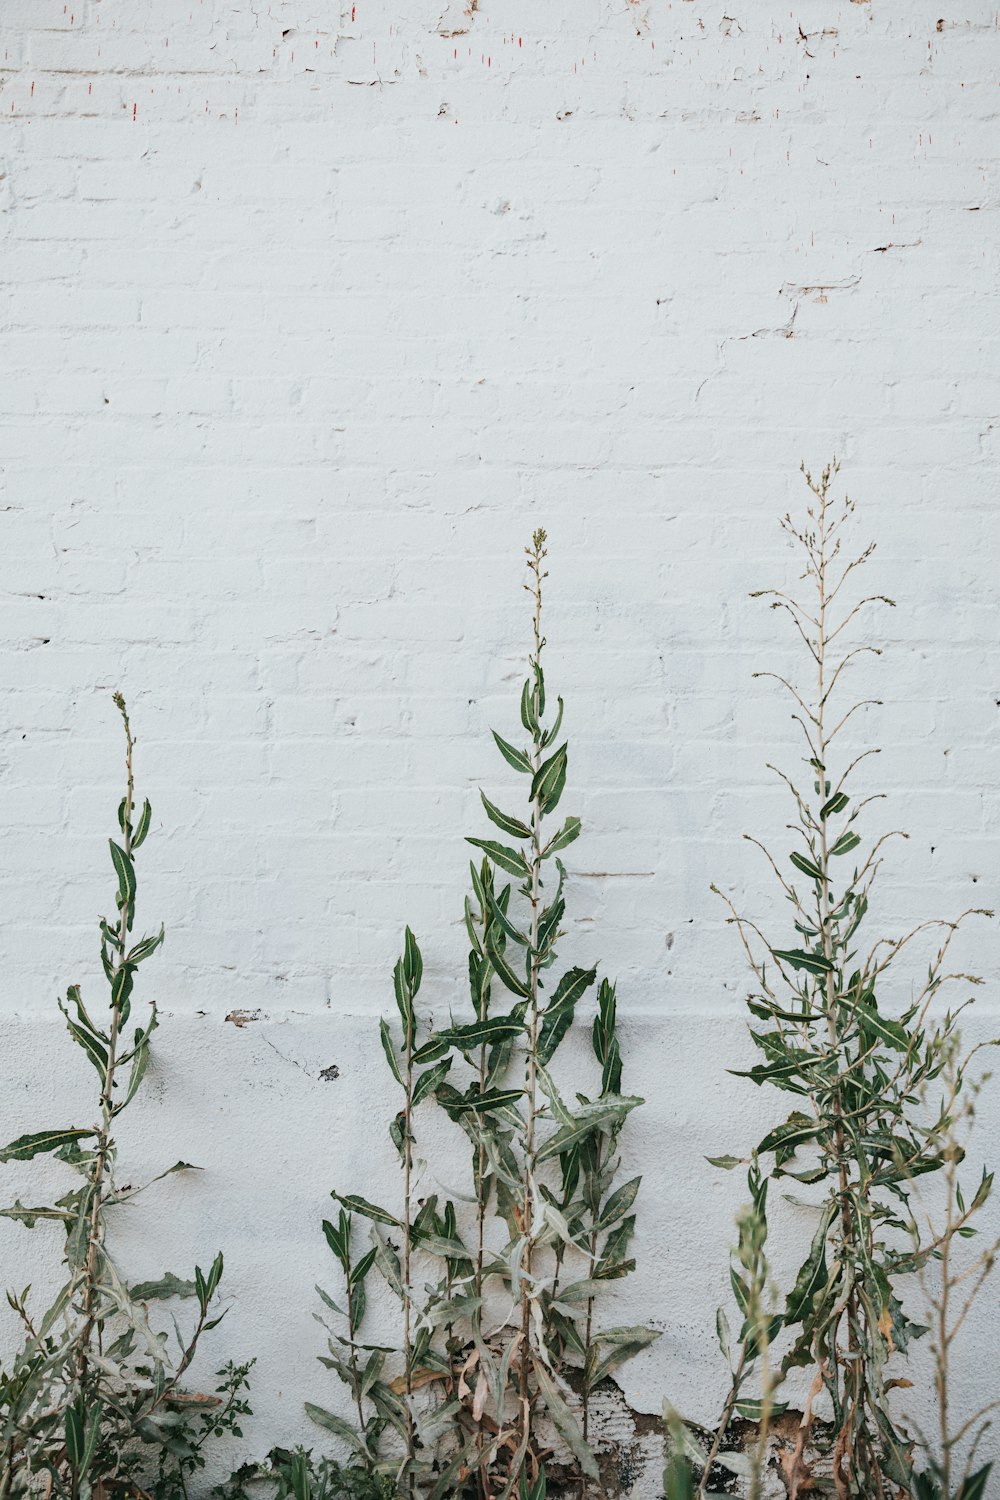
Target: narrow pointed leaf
{"x": 511, "y": 860}
{"x": 27, "y": 1146}
{"x": 516, "y": 758}
{"x": 504, "y": 821}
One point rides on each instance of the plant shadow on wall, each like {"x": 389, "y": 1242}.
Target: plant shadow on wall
{"x": 883, "y": 1098}
{"x": 94, "y": 1401}
{"x": 500, "y": 1344}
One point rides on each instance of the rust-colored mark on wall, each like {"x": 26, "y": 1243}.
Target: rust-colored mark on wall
{"x": 451, "y": 23}
{"x": 243, "y": 1018}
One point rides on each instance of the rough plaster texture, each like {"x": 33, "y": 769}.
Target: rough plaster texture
{"x": 310, "y": 313}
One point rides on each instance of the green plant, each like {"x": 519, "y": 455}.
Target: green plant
{"x": 693, "y": 1454}
{"x": 93, "y": 1403}
{"x": 488, "y": 1346}
{"x": 301, "y": 1477}
{"x": 951, "y": 1279}
{"x": 855, "y": 1061}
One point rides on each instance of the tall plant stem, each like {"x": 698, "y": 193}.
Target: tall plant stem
{"x": 481, "y": 1163}
{"x": 724, "y": 1421}
{"x": 99, "y": 1172}
{"x": 536, "y": 555}
{"x": 848, "y": 1228}
{"x": 407, "y": 1219}
{"x": 944, "y": 1333}
{"x": 589, "y": 1327}
{"x": 352, "y": 1331}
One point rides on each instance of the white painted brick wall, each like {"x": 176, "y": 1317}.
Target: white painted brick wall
{"x": 310, "y": 313}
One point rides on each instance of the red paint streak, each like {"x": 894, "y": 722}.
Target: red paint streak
{"x": 354, "y": 9}
{"x": 90, "y": 88}
{"x": 455, "y": 52}
{"x": 32, "y": 88}
{"x": 520, "y": 41}
{"x": 135, "y": 110}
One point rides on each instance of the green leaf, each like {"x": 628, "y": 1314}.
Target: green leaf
{"x": 413, "y": 964}
{"x": 356, "y": 1205}
{"x": 612, "y": 1347}
{"x": 143, "y": 949}
{"x": 140, "y": 1062}
{"x": 727, "y": 1163}
{"x": 973, "y": 1487}
{"x": 431, "y": 1050}
{"x": 796, "y": 1129}
{"x": 389, "y": 1049}
{"x": 484, "y": 1103}
{"x": 723, "y": 1334}
{"x": 428, "y": 1082}
{"x": 550, "y": 778}
{"x": 618, "y": 1204}
{"x": 806, "y": 866}
{"x": 563, "y": 1419}
{"x": 555, "y": 726}
{"x": 504, "y": 972}
{"x": 511, "y": 860}
{"x": 337, "y": 1426}
{"x": 798, "y": 958}
{"x": 125, "y": 871}
{"x": 504, "y": 821}
{"x": 570, "y": 830}
{"x": 404, "y": 1003}
{"x": 558, "y": 1014}
{"x": 812, "y": 1274}
{"x": 498, "y": 915}
{"x": 27, "y": 1146}
{"x": 591, "y": 1117}
{"x": 846, "y": 843}
{"x": 121, "y": 990}
{"x": 836, "y": 804}
{"x": 753, "y": 1409}
{"x": 168, "y": 1286}
{"x": 482, "y": 1033}
{"x": 528, "y": 716}
{"x": 28, "y": 1216}
{"x": 73, "y": 997}
{"x": 337, "y": 1237}
{"x": 876, "y": 1025}
{"x": 96, "y": 1053}
{"x": 142, "y": 827}
{"x": 516, "y": 758}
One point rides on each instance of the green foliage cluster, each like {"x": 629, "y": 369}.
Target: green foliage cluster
{"x": 869, "y": 1117}
{"x": 496, "y": 1294}
{"x": 94, "y": 1403}
{"x": 501, "y": 1347}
